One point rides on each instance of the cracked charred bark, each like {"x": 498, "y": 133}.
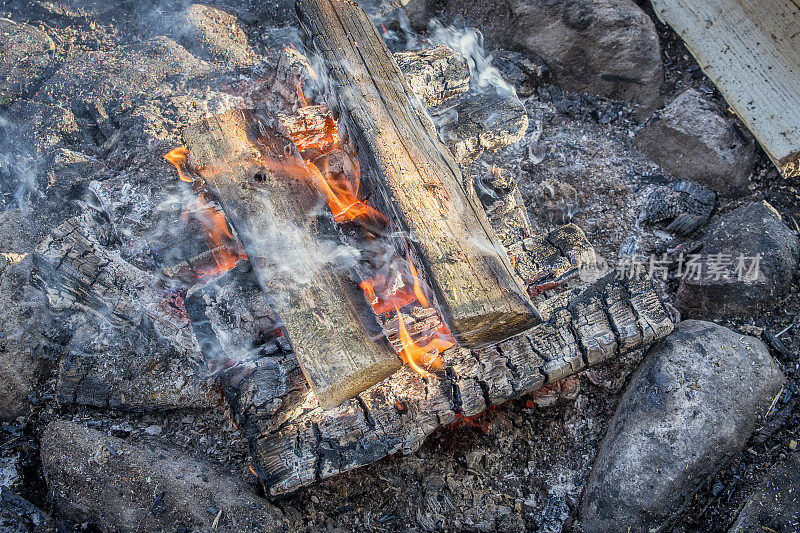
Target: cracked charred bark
{"x": 295, "y": 443}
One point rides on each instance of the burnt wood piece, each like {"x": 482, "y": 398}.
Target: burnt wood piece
{"x": 127, "y": 368}
{"x": 434, "y": 74}
{"x": 232, "y": 318}
{"x": 79, "y": 272}
{"x": 134, "y": 349}
{"x": 412, "y": 176}
{"x": 263, "y": 189}
{"x": 294, "y": 443}
{"x": 546, "y": 261}
{"x": 481, "y": 120}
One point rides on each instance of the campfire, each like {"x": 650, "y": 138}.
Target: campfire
{"x": 342, "y": 266}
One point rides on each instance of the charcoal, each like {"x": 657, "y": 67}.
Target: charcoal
{"x": 130, "y": 369}
{"x": 683, "y": 207}
{"x": 480, "y": 120}
{"x": 18, "y": 515}
{"x": 232, "y": 318}
{"x": 434, "y": 74}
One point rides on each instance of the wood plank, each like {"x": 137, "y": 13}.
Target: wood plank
{"x": 263, "y": 188}
{"x": 412, "y": 175}
{"x": 751, "y": 51}
{"x": 294, "y": 443}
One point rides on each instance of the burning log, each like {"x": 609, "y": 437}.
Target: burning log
{"x": 294, "y": 443}
{"x": 414, "y": 176}
{"x": 333, "y": 331}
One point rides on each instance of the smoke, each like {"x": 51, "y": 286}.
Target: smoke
{"x": 20, "y": 165}
{"x": 469, "y": 43}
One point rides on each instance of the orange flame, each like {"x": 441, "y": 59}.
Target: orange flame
{"x": 418, "y": 357}
{"x": 224, "y": 248}
{"x": 417, "y": 288}
{"x": 177, "y": 156}
{"x": 341, "y": 194}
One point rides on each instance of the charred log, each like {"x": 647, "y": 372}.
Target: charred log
{"x": 295, "y": 443}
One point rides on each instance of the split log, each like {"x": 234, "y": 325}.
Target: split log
{"x": 413, "y": 176}
{"x": 262, "y": 187}
{"x": 751, "y": 51}
{"x": 294, "y": 443}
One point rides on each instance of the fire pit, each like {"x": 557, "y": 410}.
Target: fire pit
{"x": 250, "y": 283}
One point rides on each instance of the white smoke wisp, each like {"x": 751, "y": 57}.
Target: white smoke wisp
{"x": 20, "y": 165}
{"x": 469, "y": 43}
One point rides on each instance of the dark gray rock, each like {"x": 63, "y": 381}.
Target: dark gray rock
{"x": 116, "y": 486}
{"x": 775, "y": 505}
{"x": 690, "y": 139}
{"x": 25, "y": 57}
{"x": 605, "y": 47}
{"x": 727, "y": 279}
{"x": 690, "y": 407}
{"x": 218, "y": 35}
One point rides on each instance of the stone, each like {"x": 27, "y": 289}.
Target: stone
{"x": 116, "y": 486}
{"x": 775, "y": 505}
{"x": 691, "y": 140}
{"x": 25, "y": 58}
{"x": 218, "y": 35}
{"x": 691, "y": 406}
{"x": 23, "y": 316}
{"x": 604, "y": 47}
{"x": 748, "y": 260}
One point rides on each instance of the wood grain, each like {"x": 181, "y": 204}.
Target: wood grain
{"x": 295, "y": 255}
{"x": 413, "y": 176}
{"x": 751, "y": 51}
